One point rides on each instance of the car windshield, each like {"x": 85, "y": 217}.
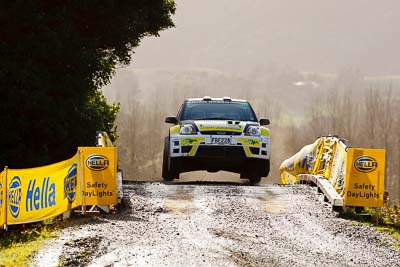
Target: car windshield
{"x": 208, "y": 110}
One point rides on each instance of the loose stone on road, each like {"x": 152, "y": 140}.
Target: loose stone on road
{"x": 221, "y": 224}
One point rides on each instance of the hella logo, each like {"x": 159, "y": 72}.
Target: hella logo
{"x": 70, "y": 183}
{"x": 15, "y": 196}
{"x": 97, "y": 162}
{"x": 365, "y": 164}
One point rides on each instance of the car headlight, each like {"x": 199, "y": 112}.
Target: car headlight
{"x": 253, "y": 131}
{"x": 187, "y": 129}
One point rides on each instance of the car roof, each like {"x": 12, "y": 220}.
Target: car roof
{"x": 219, "y": 99}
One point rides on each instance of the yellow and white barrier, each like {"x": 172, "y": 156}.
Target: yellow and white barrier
{"x": 347, "y": 176}
{"x": 300, "y": 163}
{"x": 37, "y": 194}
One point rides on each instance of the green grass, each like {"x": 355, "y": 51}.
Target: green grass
{"x": 18, "y": 245}
{"x": 385, "y": 219}
{"x": 394, "y": 232}
{"x": 388, "y": 218}
{"x": 19, "y": 254}
{"x": 391, "y": 231}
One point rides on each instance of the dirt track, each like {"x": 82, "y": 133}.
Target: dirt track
{"x": 202, "y": 224}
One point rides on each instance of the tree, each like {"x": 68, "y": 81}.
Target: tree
{"x": 54, "y": 57}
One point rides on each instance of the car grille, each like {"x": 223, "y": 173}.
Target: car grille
{"x": 220, "y": 133}
{"x": 220, "y": 152}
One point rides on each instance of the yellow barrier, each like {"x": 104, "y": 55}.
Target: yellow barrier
{"x": 103, "y": 140}
{"x": 325, "y": 156}
{"x": 338, "y": 168}
{"x": 3, "y": 193}
{"x": 357, "y": 174}
{"x": 37, "y": 194}
{"x": 300, "y": 163}
{"x": 41, "y": 193}
{"x": 99, "y": 175}
{"x": 365, "y": 177}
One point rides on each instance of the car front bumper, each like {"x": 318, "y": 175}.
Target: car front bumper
{"x": 202, "y": 146}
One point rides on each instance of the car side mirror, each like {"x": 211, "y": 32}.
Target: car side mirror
{"x": 172, "y": 120}
{"x": 264, "y": 122}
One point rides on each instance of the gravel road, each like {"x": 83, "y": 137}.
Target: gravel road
{"x": 219, "y": 224}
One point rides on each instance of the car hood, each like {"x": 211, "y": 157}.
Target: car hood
{"x": 221, "y": 125}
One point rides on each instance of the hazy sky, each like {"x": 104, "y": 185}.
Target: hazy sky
{"x": 308, "y": 35}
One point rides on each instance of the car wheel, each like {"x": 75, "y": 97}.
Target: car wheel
{"x": 267, "y": 163}
{"x": 254, "y": 180}
{"x": 169, "y": 166}
{"x": 261, "y": 168}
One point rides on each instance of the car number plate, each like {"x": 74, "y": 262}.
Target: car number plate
{"x": 220, "y": 140}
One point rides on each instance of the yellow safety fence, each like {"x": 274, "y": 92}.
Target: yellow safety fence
{"x": 37, "y": 194}
{"x": 357, "y": 174}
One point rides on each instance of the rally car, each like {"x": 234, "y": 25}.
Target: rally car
{"x": 217, "y": 134}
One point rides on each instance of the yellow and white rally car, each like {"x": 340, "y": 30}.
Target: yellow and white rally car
{"x": 217, "y": 134}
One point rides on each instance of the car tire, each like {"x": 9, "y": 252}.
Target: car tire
{"x": 254, "y": 180}
{"x": 256, "y": 170}
{"x": 265, "y": 167}
{"x": 169, "y": 166}
{"x": 268, "y": 168}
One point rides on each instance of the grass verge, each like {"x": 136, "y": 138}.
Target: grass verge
{"x": 387, "y": 219}
{"x": 20, "y": 243}
{"x": 392, "y": 231}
